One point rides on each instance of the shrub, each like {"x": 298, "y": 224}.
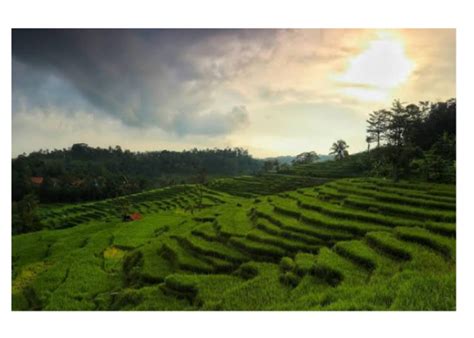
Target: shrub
{"x": 131, "y": 267}
{"x": 287, "y": 264}
{"x": 328, "y": 274}
{"x": 248, "y": 270}
{"x": 124, "y": 299}
{"x": 181, "y": 283}
{"x": 304, "y": 262}
{"x": 289, "y": 278}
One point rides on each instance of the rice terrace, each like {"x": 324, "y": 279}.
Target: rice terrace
{"x": 249, "y": 218}
{"x": 348, "y": 244}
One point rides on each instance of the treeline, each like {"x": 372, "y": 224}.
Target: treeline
{"x": 83, "y": 173}
{"x": 414, "y": 141}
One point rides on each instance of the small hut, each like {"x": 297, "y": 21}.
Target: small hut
{"x": 37, "y": 180}
{"x": 132, "y": 217}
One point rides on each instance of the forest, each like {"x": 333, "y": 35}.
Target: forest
{"x": 82, "y": 173}
{"x": 414, "y": 141}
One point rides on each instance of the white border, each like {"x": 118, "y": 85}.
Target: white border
{"x": 245, "y": 13}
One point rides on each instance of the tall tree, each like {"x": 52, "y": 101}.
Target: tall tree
{"x": 377, "y": 124}
{"x": 369, "y": 140}
{"x": 397, "y": 124}
{"x": 339, "y": 148}
{"x": 411, "y": 133}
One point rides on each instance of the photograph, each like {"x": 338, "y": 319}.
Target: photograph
{"x": 233, "y": 169}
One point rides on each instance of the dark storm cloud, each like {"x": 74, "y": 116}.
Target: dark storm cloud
{"x": 35, "y": 89}
{"x": 164, "y": 78}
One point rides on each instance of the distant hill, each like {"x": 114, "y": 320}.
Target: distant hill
{"x": 323, "y": 158}
{"x": 281, "y": 159}
{"x": 288, "y": 159}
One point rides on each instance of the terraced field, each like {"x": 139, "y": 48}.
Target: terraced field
{"x": 349, "y": 244}
{"x": 69, "y": 215}
{"x": 265, "y": 184}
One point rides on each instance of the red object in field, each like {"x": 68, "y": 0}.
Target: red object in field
{"x": 37, "y": 180}
{"x": 135, "y": 216}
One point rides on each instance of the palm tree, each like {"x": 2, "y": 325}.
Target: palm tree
{"x": 339, "y": 148}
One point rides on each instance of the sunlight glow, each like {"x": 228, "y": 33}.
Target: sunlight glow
{"x": 367, "y": 93}
{"x": 373, "y": 74}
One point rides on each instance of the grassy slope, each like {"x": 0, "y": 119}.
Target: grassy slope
{"x": 351, "y": 244}
{"x": 353, "y": 166}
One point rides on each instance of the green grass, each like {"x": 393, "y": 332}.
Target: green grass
{"x": 417, "y": 293}
{"x": 357, "y": 252}
{"x": 264, "y": 225}
{"x": 267, "y": 184}
{"x": 345, "y": 190}
{"x": 233, "y": 222}
{"x": 304, "y": 262}
{"x": 386, "y": 243}
{"x": 211, "y": 248}
{"x": 323, "y": 234}
{"x": 258, "y": 293}
{"x": 155, "y": 266}
{"x": 310, "y": 216}
{"x": 269, "y": 242}
{"x": 286, "y": 244}
{"x": 257, "y": 249}
{"x": 183, "y": 259}
{"x": 334, "y": 269}
{"x": 438, "y": 243}
{"x": 406, "y": 211}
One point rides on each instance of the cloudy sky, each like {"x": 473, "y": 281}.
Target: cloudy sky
{"x": 274, "y": 92}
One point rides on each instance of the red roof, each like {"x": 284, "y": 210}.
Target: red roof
{"x": 135, "y": 216}
{"x": 37, "y": 180}
{"x": 77, "y": 183}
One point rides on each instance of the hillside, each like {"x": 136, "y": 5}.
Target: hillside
{"x": 289, "y": 159}
{"x": 352, "y": 166}
{"x": 348, "y": 244}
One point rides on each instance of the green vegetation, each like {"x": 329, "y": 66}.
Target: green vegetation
{"x": 219, "y": 230}
{"x": 413, "y": 141}
{"x": 265, "y": 184}
{"x": 350, "y": 166}
{"x": 245, "y": 243}
{"x": 84, "y": 173}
